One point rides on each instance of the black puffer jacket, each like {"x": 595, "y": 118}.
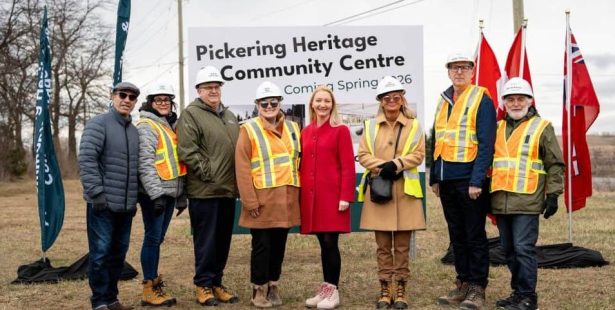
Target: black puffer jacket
{"x": 108, "y": 159}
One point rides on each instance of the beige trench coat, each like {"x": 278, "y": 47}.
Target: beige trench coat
{"x": 403, "y": 212}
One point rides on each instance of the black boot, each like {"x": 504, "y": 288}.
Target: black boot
{"x": 524, "y": 302}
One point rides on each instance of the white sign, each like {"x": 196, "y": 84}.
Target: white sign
{"x": 350, "y": 60}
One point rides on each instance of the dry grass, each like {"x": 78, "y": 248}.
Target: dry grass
{"x": 590, "y": 288}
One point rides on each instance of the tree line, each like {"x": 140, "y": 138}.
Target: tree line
{"x": 82, "y": 61}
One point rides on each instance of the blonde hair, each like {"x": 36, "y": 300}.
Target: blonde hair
{"x": 334, "y": 118}
{"x": 404, "y": 109}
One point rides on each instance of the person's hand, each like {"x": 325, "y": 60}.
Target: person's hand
{"x": 255, "y": 212}
{"x": 159, "y": 204}
{"x": 474, "y": 192}
{"x": 99, "y": 202}
{"x": 436, "y": 189}
{"x": 343, "y": 206}
{"x": 388, "y": 170}
{"x": 551, "y": 205}
{"x": 181, "y": 204}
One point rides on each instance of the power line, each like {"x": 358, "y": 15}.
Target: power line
{"x": 378, "y": 13}
{"x": 362, "y": 13}
{"x": 281, "y": 10}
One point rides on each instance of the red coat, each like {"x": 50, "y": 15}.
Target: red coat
{"x": 327, "y": 176}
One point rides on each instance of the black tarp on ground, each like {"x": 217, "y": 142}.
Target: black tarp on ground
{"x": 563, "y": 255}
{"x": 42, "y": 271}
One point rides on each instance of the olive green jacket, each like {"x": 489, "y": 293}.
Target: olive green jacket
{"x": 504, "y": 202}
{"x": 206, "y": 144}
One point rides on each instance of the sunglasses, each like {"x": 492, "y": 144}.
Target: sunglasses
{"x": 272, "y": 102}
{"x": 395, "y": 99}
{"x": 123, "y": 96}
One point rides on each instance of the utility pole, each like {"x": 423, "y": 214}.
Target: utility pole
{"x": 517, "y": 14}
{"x": 180, "y": 35}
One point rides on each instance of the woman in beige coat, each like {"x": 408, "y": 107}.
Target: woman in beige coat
{"x": 396, "y": 149}
{"x": 266, "y": 164}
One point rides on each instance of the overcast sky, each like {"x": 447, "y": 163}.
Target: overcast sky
{"x": 152, "y": 54}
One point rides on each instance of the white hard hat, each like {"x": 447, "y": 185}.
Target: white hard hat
{"x": 267, "y": 89}
{"x": 161, "y": 88}
{"x": 208, "y": 74}
{"x": 387, "y": 85}
{"x": 459, "y": 57}
{"x": 517, "y": 86}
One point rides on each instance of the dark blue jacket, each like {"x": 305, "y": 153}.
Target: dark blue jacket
{"x": 476, "y": 171}
{"x": 108, "y": 159}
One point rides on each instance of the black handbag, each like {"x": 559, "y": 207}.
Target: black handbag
{"x": 380, "y": 189}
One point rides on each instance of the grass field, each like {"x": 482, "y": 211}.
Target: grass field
{"x": 590, "y": 288}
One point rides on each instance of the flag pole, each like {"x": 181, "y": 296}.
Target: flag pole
{"x": 480, "y": 44}
{"x": 522, "y": 60}
{"x": 568, "y": 107}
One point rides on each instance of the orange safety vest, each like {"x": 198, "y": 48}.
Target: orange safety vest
{"x": 275, "y": 160}
{"x": 167, "y": 162}
{"x": 516, "y": 162}
{"x": 455, "y": 136}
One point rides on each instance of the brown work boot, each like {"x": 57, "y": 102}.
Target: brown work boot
{"x": 273, "y": 293}
{"x": 223, "y": 294}
{"x": 400, "y": 296}
{"x": 154, "y": 294}
{"x": 475, "y": 299}
{"x": 456, "y": 295}
{"x": 385, "y": 295}
{"x": 259, "y": 297}
{"x": 118, "y": 306}
{"x": 205, "y": 296}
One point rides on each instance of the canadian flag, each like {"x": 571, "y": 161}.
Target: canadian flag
{"x": 581, "y": 108}
{"x": 517, "y": 64}
{"x": 488, "y": 73}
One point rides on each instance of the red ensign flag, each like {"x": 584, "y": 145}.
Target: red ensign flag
{"x": 488, "y": 74}
{"x": 517, "y": 64}
{"x": 584, "y": 108}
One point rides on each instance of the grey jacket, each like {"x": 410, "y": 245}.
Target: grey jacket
{"x": 108, "y": 159}
{"x": 149, "y": 180}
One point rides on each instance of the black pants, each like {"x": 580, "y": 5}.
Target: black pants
{"x": 330, "y": 256}
{"x": 268, "y": 247}
{"x": 212, "y": 224}
{"x": 466, "y": 229}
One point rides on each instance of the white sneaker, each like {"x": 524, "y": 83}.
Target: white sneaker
{"x": 320, "y": 295}
{"x": 332, "y": 300}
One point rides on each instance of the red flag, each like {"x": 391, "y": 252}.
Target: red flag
{"x": 516, "y": 53}
{"x": 488, "y": 73}
{"x": 585, "y": 108}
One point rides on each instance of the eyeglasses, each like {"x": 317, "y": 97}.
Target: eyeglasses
{"x": 271, "y": 102}
{"x": 166, "y": 101}
{"x": 210, "y": 88}
{"x": 395, "y": 99}
{"x": 463, "y": 68}
{"x": 123, "y": 96}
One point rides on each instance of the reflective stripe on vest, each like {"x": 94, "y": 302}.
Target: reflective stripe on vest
{"x": 516, "y": 162}
{"x": 412, "y": 184}
{"x": 275, "y": 160}
{"x": 455, "y": 136}
{"x": 167, "y": 162}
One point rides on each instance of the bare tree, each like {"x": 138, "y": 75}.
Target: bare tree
{"x": 79, "y": 41}
{"x": 18, "y": 60}
{"x": 81, "y": 47}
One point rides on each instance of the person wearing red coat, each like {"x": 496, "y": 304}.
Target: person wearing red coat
{"x": 327, "y": 187}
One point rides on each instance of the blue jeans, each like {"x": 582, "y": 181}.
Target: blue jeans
{"x": 518, "y": 235}
{"x": 108, "y": 240}
{"x": 466, "y": 229}
{"x": 156, "y": 226}
{"x": 212, "y": 222}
